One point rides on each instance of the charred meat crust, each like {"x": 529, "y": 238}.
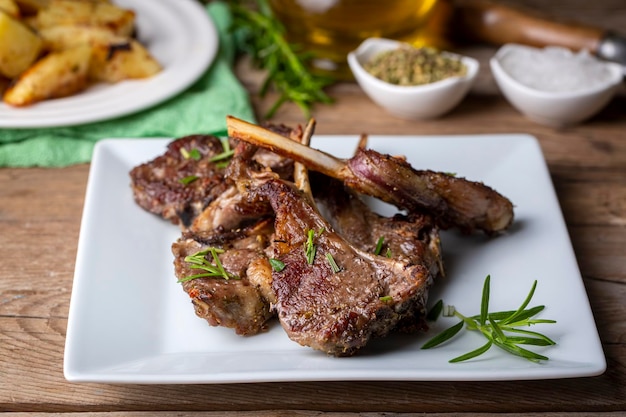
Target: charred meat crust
{"x": 453, "y": 201}
{"x": 238, "y": 302}
{"x": 182, "y": 182}
{"x": 337, "y": 312}
{"x": 159, "y": 187}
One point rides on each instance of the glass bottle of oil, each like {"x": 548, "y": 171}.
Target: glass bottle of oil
{"x": 332, "y": 28}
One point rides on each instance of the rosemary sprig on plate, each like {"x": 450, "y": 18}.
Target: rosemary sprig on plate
{"x": 501, "y": 329}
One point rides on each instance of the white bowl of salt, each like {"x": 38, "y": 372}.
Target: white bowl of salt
{"x": 555, "y": 86}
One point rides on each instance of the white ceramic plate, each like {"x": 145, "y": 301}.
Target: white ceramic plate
{"x": 178, "y": 33}
{"x": 131, "y": 322}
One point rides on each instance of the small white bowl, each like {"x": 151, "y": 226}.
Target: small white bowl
{"x": 425, "y": 101}
{"x": 559, "y": 108}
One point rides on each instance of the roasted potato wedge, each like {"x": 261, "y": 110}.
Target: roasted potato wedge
{"x": 82, "y": 42}
{"x": 19, "y": 46}
{"x": 58, "y": 74}
{"x": 86, "y": 13}
{"x": 59, "y": 38}
{"x": 119, "y": 61}
{"x": 29, "y": 7}
{"x": 10, "y": 7}
{"x": 114, "y": 58}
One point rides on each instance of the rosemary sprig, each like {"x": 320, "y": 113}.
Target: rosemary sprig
{"x": 379, "y": 245}
{"x": 191, "y": 154}
{"x": 332, "y": 263}
{"x": 222, "y": 159}
{"x": 262, "y": 37}
{"x": 309, "y": 247}
{"x": 276, "y": 264}
{"x": 199, "y": 261}
{"x": 435, "y": 311}
{"x": 222, "y": 156}
{"x": 188, "y": 179}
{"x": 497, "y": 328}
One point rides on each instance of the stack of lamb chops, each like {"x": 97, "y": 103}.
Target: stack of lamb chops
{"x": 334, "y": 280}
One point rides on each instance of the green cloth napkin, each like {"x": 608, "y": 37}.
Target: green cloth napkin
{"x": 202, "y": 108}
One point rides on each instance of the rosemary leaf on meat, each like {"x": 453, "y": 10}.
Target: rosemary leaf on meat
{"x": 379, "y": 245}
{"x": 191, "y": 154}
{"x": 188, "y": 179}
{"x": 223, "y": 158}
{"x": 310, "y": 248}
{"x": 211, "y": 270}
{"x": 262, "y": 37}
{"x": 501, "y": 329}
{"x": 277, "y": 265}
{"x": 333, "y": 264}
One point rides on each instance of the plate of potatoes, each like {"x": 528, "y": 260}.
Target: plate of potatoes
{"x": 68, "y": 62}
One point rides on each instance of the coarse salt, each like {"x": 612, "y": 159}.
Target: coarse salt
{"x": 555, "y": 69}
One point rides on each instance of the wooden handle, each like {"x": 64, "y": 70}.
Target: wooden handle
{"x": 490, "y": 22}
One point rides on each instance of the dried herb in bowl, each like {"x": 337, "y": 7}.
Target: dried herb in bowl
{"x": 409, "y": 66}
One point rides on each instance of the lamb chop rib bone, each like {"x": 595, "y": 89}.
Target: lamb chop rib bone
{"x": 451, "y": 200}
{"x": 300, "y": 172}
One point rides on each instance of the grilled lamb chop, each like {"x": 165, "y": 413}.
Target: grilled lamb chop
{"x": 240, "y": 229}
{"x": 182, "y": 182}
{"x": 387, "y": 293}
{"x": 159, "y": 186}
{"x": 335, "y": 310}
{"x": 452, "y": 201}
{"x": 233, "y": 300}
{"x": 412, "y": 239}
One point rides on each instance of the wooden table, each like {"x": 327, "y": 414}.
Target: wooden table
{"x": 40, "y": 212}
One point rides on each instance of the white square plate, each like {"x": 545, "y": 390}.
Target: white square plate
{"x": 130, "y": 322}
